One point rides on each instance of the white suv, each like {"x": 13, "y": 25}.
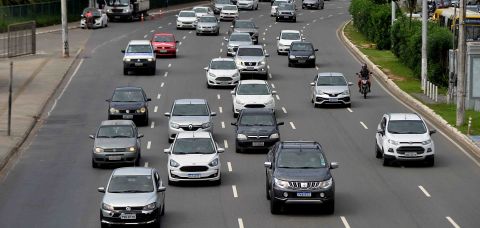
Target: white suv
{"x": 404, "y": 137}
{"x": 286, "y": 38}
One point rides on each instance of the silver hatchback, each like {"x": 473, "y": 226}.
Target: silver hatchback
{"x": 330, "y": 88}
{"x": 208, "y": 25}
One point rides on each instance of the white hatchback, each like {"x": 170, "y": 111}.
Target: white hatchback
{"x": 222, "y": 72}
{"x": 286, "y": 38}
{"x": 252, "y": 94}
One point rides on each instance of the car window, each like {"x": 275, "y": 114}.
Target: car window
{"x": 250, "y": 52}
{"x": 200, "y": 10}
{"x": 139, "y": 49}
{"x": 223, "y": 2}
{"x": 244, "y": 24}
{"x": 207, "y": 19}
{"x": 252, "y": 89}
{"x": 331, "y": 81}
{"x": 128, "y": 96}
{"x": 286, "y": 7}
{"x": 130, "y": 184}
{"x": 193, "y": 146}
{"x": 277, "y": 3}
{"x": 118, "y": 2}
{"x": 163, "y": 39}
{"x": 256, "y": 120}
{"x": 240, "y": 37}
{"x": 406, "y": 127}
{"x": 229, "y": 8}
{"x": 190, "y": 110}
{"x": 300, "y": 158}
{"x": 186, "y": 14}
{"x": 115, "y": 131}
{"x": 95, "y": 12}
{"x": 290, "y": 36}
{"x": 223, "y": 65}
{"x": 301, "y": 47}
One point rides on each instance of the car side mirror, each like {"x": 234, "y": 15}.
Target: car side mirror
{"x": 161, "y": 189}
{"x": 333, "y": 165}
{"x": 140, "y": 136}
{"x": 101, "y": 189}
{"x": 167, "y": 114}
{"x": 206, "y": 68}
{"x": 268, "y": 165}
{"x": 350, "y": 83}
{"x": 303, "y": 38}
{"x": 316, "y": 49}
{"x": 167, "y": 151}
{"x": 233, "y": 124}
{"x": 232, "y": 92}
{"x": 213, "y": 114}
{"x": 123, "y": 50}
{"x": 220, "y": 150}
{"x": 432, "y": 131}
{"x": 267, "y": 55}
{"x": 108, "y": 100}
{"x": 176, "y": 15}
{"x": 274, "y": 92}
{"x": 280, "y": 123}
{"x": 312, "y": 83}
{"x": 149, "y": 99}
{"x": 278, "y": 38}
{"x": 225, "y": 39}
{"x": 91, "y": 136}
{"x": 381, "y": 131}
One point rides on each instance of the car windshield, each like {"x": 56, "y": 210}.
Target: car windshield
{"x": 186, "y": 14}
{"x": 285, "y": 7}
{"x": 406, "y": 127}
{"x": 127, "y": 96}
{"x": 240, "y": 37}
{"x": 130, "y": 184}
{"x": 290, "y": 36}
{"x": 244, "y": 24}
{"x": 163, "y": 38}
{"x": 301, "y": 47}
{"x": 223, "y": 65}
{"x": 118, "y": 2}
{"x": 139, "y": 49}
{"x": 229, "y": 8}
{"x": 207, "y": 19}
{"x": 277, "y": 3}
{"x": 256, "y": 120}
{"x": 193, "y": 146}
{"x": 94, "y": 11}
{"x": 252, "y": 89}
{"x": 301, "y": 159}
{"x": 200, "y": 10}
{"x": 250, "y": 52}
{"x": 190, "y": 110}
{"x": 331, "y": 81}
{"x": 115, "y": 131}
{"x": 223, "y": 2}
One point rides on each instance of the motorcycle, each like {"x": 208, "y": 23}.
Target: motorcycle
{"x": 364, "y": 88}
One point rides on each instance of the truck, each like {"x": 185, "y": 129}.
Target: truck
{"x": 126, "y": 9}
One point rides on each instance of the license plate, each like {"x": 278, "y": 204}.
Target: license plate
{"x": 258, "y": 143}
{"x": 301, "y": 61}
{"x": 128, "y": 216}
{"x": 163, "y": 51}
{"x": 333, "y": 99}
{"x": 285, "y": 16}
{"x": 411, "y": 154}
{"x": 138, "y": 64}
{"x": 193, "y": 175}
{"x": 115, "y": 158}
{"x": 250, "y": 68}
{"x": 117, "y": 17}
{"x": 304, "y": 194}
{"x": 127, "y": 116}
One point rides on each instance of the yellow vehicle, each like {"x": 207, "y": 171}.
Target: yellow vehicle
{"x": 447, "y": 17}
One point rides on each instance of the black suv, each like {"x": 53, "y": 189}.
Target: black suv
{"x": 298, "y": 172}
{"x": 129, "y": 103}
{"x": 301, "y": 53}
{"x": 256, "y": 128}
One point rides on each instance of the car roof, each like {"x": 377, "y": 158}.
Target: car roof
{"x": 222, "y": 59}
{"x": 252, "y": 81}
{"x": 304, "y": 42}
{"x": 116, "y": 122}
{"x": 290, "y": 31}
{"x": 330, "y": 74}
{"x": 139, "y": 42}
{"x": 198, "y": 7}
{"x": 128, "y": 88}
{"x": 190, "y": 101}
{"x": 186, "y": 11}
{"x": 132, "y": 171}
{"x": 263, "y": 111}
{"x": 194, "y": 134}
{"x": 163, "y": 34}
{"x": 404, "y": 116}
{"x": 300, "y": 145}
{"x": 244, "y": 20}
{"x": 251, "y": 46}
{"x": 240, "y": 33}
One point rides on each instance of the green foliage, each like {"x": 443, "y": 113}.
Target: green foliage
{"x": 373, "y": 20}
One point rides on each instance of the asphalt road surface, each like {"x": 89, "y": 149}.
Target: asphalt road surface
{"x": 53, "y": 184}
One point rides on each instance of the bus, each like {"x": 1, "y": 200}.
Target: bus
{"x": 445, "y": 17}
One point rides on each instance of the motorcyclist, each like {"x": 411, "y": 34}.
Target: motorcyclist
{"x": 364, "y": 74}
{"x": 89, "y": 18}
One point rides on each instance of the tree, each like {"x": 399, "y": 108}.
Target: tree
{"x": 411, "y": 6}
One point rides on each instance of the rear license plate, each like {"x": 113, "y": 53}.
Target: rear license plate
{"x": 301, "y": 61}
{"x": 138, "y": 64}
{"x": 193, "y": 175}
{"x": 163, "y": 51}
{"x": 258, "y": 143}
{"x": 128, "y": 216}
{"x": 304, "y": 194}
{"x": 411, "y": 154}
{"x": 115, "y": 158}
{"x": 127, "y": 116}
{"x": 333, "y": 99}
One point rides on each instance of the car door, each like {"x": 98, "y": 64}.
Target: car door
{"x": 136, "y": 134}
{"x": 270, "y": 158}
{"x": 314, "y": 87}
{"x": 381, "y": 127}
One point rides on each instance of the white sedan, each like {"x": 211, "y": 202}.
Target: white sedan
{"x": 201, "y": 11}
{"x": 100, "y": 18}
{"x": 222, "y": 72}
{"x": 186, "y": 19}
{"x": 252, "y": 94}
{"x": 286, "y": 38}
{"x": 229, "y": 12}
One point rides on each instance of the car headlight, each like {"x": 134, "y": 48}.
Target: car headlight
{"x": 173, "y": 163}
{"x": 261, "y": 63}
{"x": 98, "y": 150}
{"x": 238, "y": 62}
{"x": 141, "y": 110}
{"x": 426, "y": 142}
{"x": 292, "y": 57}
{"x": 109, "y": 10}
{"x": 174, "y": 125}
{"x": 150, "y": 59}
{"x": 132, "y": 149}
{"x": 211, "y": 75}
{"x": 107, "y": 207}
{"x": 271, "y": 101}
{"x": 126, "y": 10}
{"x": 241, "y": 137}
{"x": 213, "y": 163}
{"x": 240, "y": 102}
{"x": 326, "y": 184}
{"x": 319, "y": 92}
{"x": 127, "y": 59}
{"x": 206, "y": 125}
{"x": 346, "y": 92}
{"x": 393, "y": 142}
{"x": 281, "y": 183}
{"x": 113, "y": 110}
{"x": 150, "y": 207}
{"x": 274, "y": 136}
{"x": 311, "y": 57}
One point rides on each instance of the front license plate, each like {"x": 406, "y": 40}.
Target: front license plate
{"x": 304, "y": 194}
{"x": 138, "y": 64}
{"x": 117, "y": 17}
{"x": 258, "y": 143}
{"x": 128, "y": 216}
{"x": 193, "y": 175}
{"x": 127, "y": 116}
{"x": 163, "y": 51}
{"x": 250, "y": 68}
{"x": 333, "y": 99}
{"x": 115, "y": 158}
{"x": 411, "y": 154}
{"x": 285, "y": 16}
{"x": 301, "y": 61}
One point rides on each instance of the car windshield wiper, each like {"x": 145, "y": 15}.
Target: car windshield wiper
{"x": 103, "y": 137}
{"x": 131, "y": 191}
{"x": 120, "y": 136}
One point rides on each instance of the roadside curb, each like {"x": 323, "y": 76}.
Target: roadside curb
{"x": 408, "y": 100}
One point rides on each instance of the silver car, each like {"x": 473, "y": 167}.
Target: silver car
{"x": 222, "y": 72}
{"x": 247, "y": 26}
{"x": 218, "y": 4}
{"x": 189, "y": 115}
{"x": 116, "y": 142}
{"x": 330, "y": 88}
{"x": 133, "y": 196}
{"x": 208, "y": 25}
{"x": 252, "y": 59}
{"x": 236, "y": 39}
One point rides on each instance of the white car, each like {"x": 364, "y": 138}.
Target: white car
{"x": 252, "y": 94}
{"x": 186, "y": 19}
{"x": 99, "y": 16}
{"x": 248, "y": 4}
{"x": 286, "y": 38}
{"x": 229, "y": 12}
{"x": 222, "y": 72}
{"x": 275, "y": 4}
{"x": 404, "y": 137}
{"x": 202, "y": 11}
{"x": 193, "y": 156}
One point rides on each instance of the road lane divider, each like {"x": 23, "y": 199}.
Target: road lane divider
{"x": 345, "y": 222}
{"x": 158, "y": 96}
{"x": 273, "y": 86}
{"x": 180, "y": 43}
{"x": 155, "y": 109}
{"x": 240, "y": 223}
{"x": 278, "y": 98}
{"x": 152, "y": 125}
{"x": 229, "y": 165}
{"x": 364, "y": 126}
{"x": 222, "y": 44}
{"x": 190, "y": 32}
{"x": 235, "y": 193}
{"x": 161, "y": 85}
{"x": 184, "y": 37}
{"x": 149, "y": 144}
{"x": 292, "y": 125}
{"x": 169, "y": 65}
{"x": 160, "y": 27}
{"x": 166, "y": 74}
{"x": 145, "y": 36}
{"x": 424, "y": 191}
{"x": 225, "y": 144}
{"x": 223, "y": 124}
{"x": 169, "y": 23}
{"x": 152, "y": 31}
{"x": 454, "y": 224}
{"x": 284, "y": 110}
{"x": 220, "y": 109}
{"x": 221, "y": 50}
{"x": 270, "y": 75}
{"x": 218, "y": 96}
{"x": 349, "y": 109}
{"x": 146, "y": 164}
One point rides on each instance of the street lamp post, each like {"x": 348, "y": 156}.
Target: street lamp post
{"x": 65, "y": 48}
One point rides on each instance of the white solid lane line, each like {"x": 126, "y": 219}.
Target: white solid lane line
{"x": 292, "y": 125}
{"x": 284, "y": 110}
{"x": 229, "y": 164}
{"x": 344, "y": 221}
{"x": 234, "y": 189}
{"x": 223, "y": 124}
{"x": 349, "y": 109}
{"x": 218, "y": 96}
{"x": 146, "y": 164}
{"x": 158, "y": 96}
{"x": 220, "y": 109}
{"x": 364, "y": 126}
{"x": 273, "y": 86}
{"x": 155, "y": 109}
{"x": 149, "y": 144}
{"x": 225, "y": 144}
{"x": 454, "y": 224}
{"x": 161, "y": 85}
{"x": 166, "y": 74}
{"x": 278, "y": 98}
{"x": 240, "y": 223}
{"x": 152, "y": 125}
{"x": 424, "y": 191}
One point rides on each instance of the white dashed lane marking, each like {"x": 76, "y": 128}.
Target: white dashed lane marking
{"x": 344, "y": 221}
{"x": 184, "y": 37}
{"x": 221, "y": 50}
{"x": 273, "y": 86}
{"x": 269, "y": 75}
{"x": 292, "y": 125}
{"x": 424, "y": 191}
{"x": 158, "y": 96}
{"x": 152, "y": 31}
{"x": 169, "y": 65}
{"x": 146, "y": 164}
{"x": 223, "y": 124}
{"x": 220, "y": 109}
{"x": 235, "y": 193}
{"x": 284, "y": 110}
{"x": 454, "y": 224}
{"x": 225, "y": 144}
{"x": 364, "y": 126}
{"x": 218, "y": 96}
{"x": 155, "y": 109}
{"x": 152, "y": 125}
{"x": 229, "y": 164}
{"x": 240, "y": 223}
{"x": 161, "y": 85}
{"x": 145, "y": 36}
{"x": 278, "y": 98}
{"x": 166, "y": 74}
{"x": 349, "y": 109}
{"x": 149, "y": 144}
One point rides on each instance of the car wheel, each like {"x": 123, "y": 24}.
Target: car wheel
{"x": 137, "y": 162}
{"x": 267, "y": 190}
{"x": 125, "y": 71}
{"x": 235, "y": 115}
{"x": 430, "y": 161}
{"x": 378, "y": 152}
{"x": 103, "y": 225}
{"x": 163, "y": 210}
{"x": 349, "y": 105}
{"x": 386, "y": 161}
{"x": 153, "y": 70}
{"x": 94, "y": 164}
{"x": 303, "y": 7}
{"x": 276, "y": 19}
{"x": 330, "y": 207}
{"x": 294, "y": 20}
{"x": 256, "y": 8}
{"x": 238, "y": 150}
{"x": 275, "y": 206}
{"x": 145, "y": 120}
{"x": 217, "y": 182}
{"x": 290, "y": 64}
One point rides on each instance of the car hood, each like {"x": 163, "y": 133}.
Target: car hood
{"x": 245, "y": 1}
{"x": 187, "y": 19}
{"x": 250, "y": 58}
{"x": 254, "y": 99}
{"x": 163, "y": 44}
{"x": 286, "y": 11}
{"x": 331, "y": 89}
{"x": 194, "y": 120}
{"x": 138, "y": 55}
{"x": 301, "y": 53}
{"x": 206, "y": 24}
{"x": 256, "y": 130}
{"x": 129, "y": 199}
{"x": 127, "y": 105}
{"x": 286, "y": 42}
{"x": 193, "y": 159}
{"x": 238, "y": 43}
{"x": 247, "y": 30}
{"x": 310, "y": 1}
{"x": 115, "y": 142}
{"x": 229, "y": 11}
{"x": 302, "y": 174}
{"x": 223, "y": 72}
{"x": 409, "y": 137}
{"x": 219, "y": 6}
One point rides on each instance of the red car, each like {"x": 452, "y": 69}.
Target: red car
{"x": 164, "y": 44}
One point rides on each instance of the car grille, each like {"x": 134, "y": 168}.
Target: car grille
{"x": 115, "y": 150}
{"x": 117, "y": 10}
{"x": 125, "y": 208}
{"x": 192, "y": 128}
{"x": 250, "y": 63}
{"x": 127, "y": 111}
{"x": 224, "y": 79}
{"x": 251, "y": 33}
{"x": 139, "y": 60}
{"x": 187, "y": 23}
{"x": 193, "y": 168}
{"x": 304, "y": 185}
{"x": 408, "y": 149}
{"x": 257, "y": 136}
{"x": 254, "y": 106}
{"x": 332, "y": 94}
{"x": 286, "y": 13}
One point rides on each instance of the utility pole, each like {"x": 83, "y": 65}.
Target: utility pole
{"x": 66, "y": 52}
{"x": 461, "y": 67}
{"x": 393, "y": 11}
{"x": 424, "y": 43}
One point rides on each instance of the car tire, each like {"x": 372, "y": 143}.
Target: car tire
{"x": 330, "y": 207}
{"x": 153, "y": 71}
{"x": 378, "y": 152}
{"x": 235, "y": 115}
{"x": 303, "y": 7}
{"x": 267, "y": 189}
{"x": 137, "y": 162}
{"x": 238, "y": 150}
{"x": 430, "y": 161}
{"x": 275, "y": 206}
{"x": 94, "y": 164}
{"x": 163, "y": 210}
{"x": 276, "y": 19}
{"x": 145, "y": 121}
{"x": 103, "y": 225}
{"x": 295, "y": 20}
{"x": 349, "y": 105}
{"x": 125, "y": 71}
{"x": 290, "y": 64}
{"x": 386, "y": 161}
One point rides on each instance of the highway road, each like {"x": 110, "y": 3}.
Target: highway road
{"x": 52, "y": 183}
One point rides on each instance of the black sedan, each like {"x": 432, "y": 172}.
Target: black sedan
{"x": 130, "y": 103}
{"x": 301, "y": 53}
